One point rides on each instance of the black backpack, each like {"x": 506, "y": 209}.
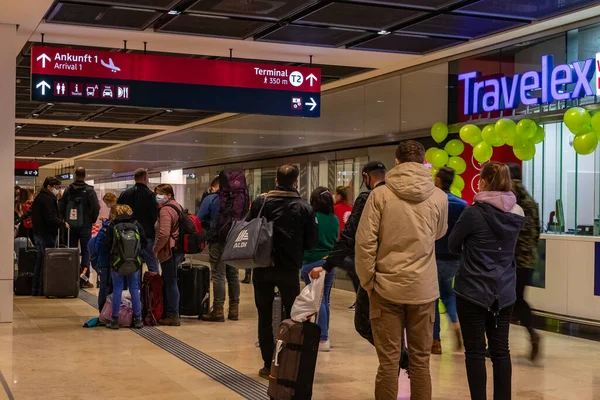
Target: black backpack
{"x": 75, "y": 207}
{"x": 126, "y": 248}
{"x": 189, "y": 241}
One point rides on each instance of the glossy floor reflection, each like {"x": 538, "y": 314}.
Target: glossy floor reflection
{"x": 46, "y": 354}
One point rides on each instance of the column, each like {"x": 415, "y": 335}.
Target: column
{"x": 8, "y": 33}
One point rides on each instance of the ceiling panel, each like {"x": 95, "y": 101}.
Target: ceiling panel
{"x": 211, "y": 26}
{"x": 408, "y": 44}
{"x": 125, "y": 115}
{"x": 424, "y": 4}
{"x": 526, "y": 9}
{"x": 307, "y": 35}
{"x": 461, "y": 26}
{"x": 45, "y": 149}
{"x": 357, "y": 15}
{"x": 151, "y": 4}
{"x": 37, "y": 130}
{"x": 270, "y": 9}
{"x": 79, "y": 148}
{"x": 126, "y": 134}
{"x": 79, "y": 14}
{"x": 72, "y": 112}
{"x": 81, "y": 132}
{"x": 178, "y": 117}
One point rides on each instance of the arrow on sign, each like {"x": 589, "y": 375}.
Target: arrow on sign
{"x": 311, "y": 78}
{"x": 312, "y": 104}
{"x": 45, "y": 86}
{"x": 45, "y": 58}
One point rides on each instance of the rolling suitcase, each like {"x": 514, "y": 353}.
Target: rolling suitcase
{"x": 22, "y": 243}
{"x": 194, "y": 289}
{"x": 23, "y": 285}
{"x": 61, "y": 271}
{"x": 294, "y": 361}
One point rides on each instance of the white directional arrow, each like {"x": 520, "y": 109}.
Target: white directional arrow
{"x": 45, "y": 86}
{"x": 45, "y": 58}
{"x": 312, "y": 79}
{"x": 312, "y": 104}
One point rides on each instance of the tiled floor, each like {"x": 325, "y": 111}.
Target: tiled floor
{"x": 46, "y": 354}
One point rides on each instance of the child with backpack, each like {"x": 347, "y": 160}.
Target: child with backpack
{"x": 124, "y": 241}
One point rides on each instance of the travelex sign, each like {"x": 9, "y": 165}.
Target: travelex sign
{"x": 509, "y": 92}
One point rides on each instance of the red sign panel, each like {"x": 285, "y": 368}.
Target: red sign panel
{"x": 150, "y": 68}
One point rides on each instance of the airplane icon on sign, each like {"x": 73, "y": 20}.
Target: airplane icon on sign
{"x": 110, "y": 65}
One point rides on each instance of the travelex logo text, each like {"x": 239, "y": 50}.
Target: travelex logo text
{"x": 242, "y": 240}
{"x": 509, "y": 92}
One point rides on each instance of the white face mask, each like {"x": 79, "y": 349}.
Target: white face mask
{"x": 55, "y": 191}
{"x": 161, "y": 198}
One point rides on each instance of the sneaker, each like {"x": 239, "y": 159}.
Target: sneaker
{"x": 87, "y": 285}
{"x": 113, "y": 324}
{"x": 170, "y": 321}
{"x": 325, "y": 346}
{"x": 436, "y": 347}
{"x": 246, "y": 279}
{"x": 215, "y": 315}
{"x": 138, "y": 323}
{"x": 352, "y": 307}
{"x": 265, "y": 373}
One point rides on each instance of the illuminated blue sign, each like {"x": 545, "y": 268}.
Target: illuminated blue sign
{"x": 509, "y": 92}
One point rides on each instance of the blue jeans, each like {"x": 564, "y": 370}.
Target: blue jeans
{"x": 171, "y": 291}
{"x": 104, "y": 273}
{"x": 447, "y": 270}
{"x": 148, "y": 256}
{"x": 133, "y": 283}
{"x": 81, "y": 237}
{"x": 42, "y": 242}
{"x": 323, "y": 321}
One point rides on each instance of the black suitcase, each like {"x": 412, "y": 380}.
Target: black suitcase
{"x": 294, "y": 361}
{"x": 61, "y": 272}
{"x": 194, "y": 289}
{"x": 23, "y": 285}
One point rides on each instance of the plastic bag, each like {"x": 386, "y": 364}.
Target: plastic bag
{"x": 308, "y": 302}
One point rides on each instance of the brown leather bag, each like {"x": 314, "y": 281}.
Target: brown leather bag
{"x": 294, "y": 361}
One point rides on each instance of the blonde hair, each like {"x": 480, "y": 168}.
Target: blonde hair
{"x": 120, "y": 209}
{"x": 110, "y": 198}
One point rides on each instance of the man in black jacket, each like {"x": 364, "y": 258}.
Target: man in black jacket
{"x": 46, "y": 222}
{"x": 80, "y": 198}
{"x": 145, "y": 210}
{"x": 294, "y": 230}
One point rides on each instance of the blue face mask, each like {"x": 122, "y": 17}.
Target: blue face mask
{"x": 161, "y": 199}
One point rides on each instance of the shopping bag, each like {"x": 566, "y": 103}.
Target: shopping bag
{"x": 308, "y": 302}
{"x": 249, "y": 244}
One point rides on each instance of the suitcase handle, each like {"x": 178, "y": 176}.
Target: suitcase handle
{"x": 278, "y": 348}
{"x": 68, "y": 238}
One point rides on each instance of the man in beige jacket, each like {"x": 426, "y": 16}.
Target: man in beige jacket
{"x": 395, "y": 261}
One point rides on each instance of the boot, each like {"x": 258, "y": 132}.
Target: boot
{"x": 138, "y": 323}
{"x": 234, "y": 311}
{"x": 113, "y": 324}
{"x": 215, "y": 315}
{"x": 170, "y": 320}
{"x": 436, "y": 348}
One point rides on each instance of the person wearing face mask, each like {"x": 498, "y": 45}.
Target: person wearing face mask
{"x": 46, "y": 222}
{"x": 294, "y": 231}
{"x": 167, "y": 230}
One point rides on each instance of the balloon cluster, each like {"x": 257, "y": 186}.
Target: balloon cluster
{"x": 586, "y": 129}
{"x": 522, "y": 137}
{"x": 448, "y": 156}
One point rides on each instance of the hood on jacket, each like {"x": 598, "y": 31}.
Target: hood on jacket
{"x": 123, "y": 218}
{"x": 79, "y": 185}
{"x": 502, "y": 212}
{"x": 410, "y": 181}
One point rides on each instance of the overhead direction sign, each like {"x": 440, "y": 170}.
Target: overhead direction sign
{"x": 107, "y": 78}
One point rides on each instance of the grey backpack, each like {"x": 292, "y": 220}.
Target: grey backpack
{"x": 126, "y": 247}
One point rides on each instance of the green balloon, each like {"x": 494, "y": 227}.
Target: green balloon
{"x": 596, "y": 122}
{"x": 483, "y": 152}
{"x": 439, "y": 132}
{"x": 429, "y": 154}
{"x": 440, "y": 158}
{"x": 507, "y": 129}
{"x": 454, "y": 147}
{"x": 524, "y": 150}
{"x": 539, "y": 136}
{"x": 458, "y": 182}
{"x": 578, "y": 120}
{"x": 585, "y": 144}
{"x": 455, "y": 191}
{"x": 470, "y": 134}
{"x": 457, "y": 164}
{"x": 490, "y": 136}
{"x": 526, "y": 128}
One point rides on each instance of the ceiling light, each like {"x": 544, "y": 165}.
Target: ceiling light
{"x": 381, "y": 101}
{"x": 234, "y": 142}
{"x": 67, "y": 129}
{"x": 54, "y": 135}
{"x": 169, "y": 111}
{"x": 35, "y": 115}
{"x": 262, "y": 137}
{"x": 300, "y": 137}
{"x": 383, "y": 33}
{"x": 96, "y": 137}
{"x": 174, "y": 12}
{"x": 50, "y": 104}
{"x": 19, "y": 126}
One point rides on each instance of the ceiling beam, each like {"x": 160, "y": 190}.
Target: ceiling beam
{"x": 90, "y": 124}
{"x": 39, "y": 158}
{"x": 67, "y": 139}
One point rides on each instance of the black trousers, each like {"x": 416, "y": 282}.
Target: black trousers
{"x": 476, "y": 323}
{"x": 265, "y": 280}
{"x": 522, "y": 309}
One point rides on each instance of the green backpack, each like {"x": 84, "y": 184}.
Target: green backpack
{"x": 126, "y": 247}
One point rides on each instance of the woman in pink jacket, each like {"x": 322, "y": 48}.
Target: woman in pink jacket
{"x": 167, "y": 231}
